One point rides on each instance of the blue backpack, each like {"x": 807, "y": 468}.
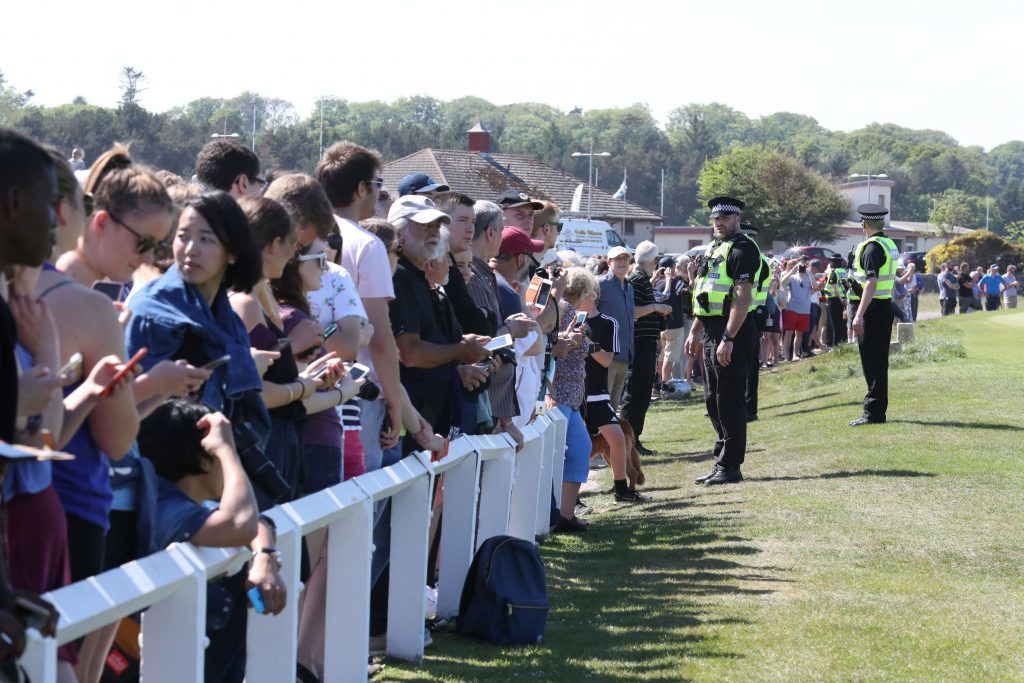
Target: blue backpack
{"x": 504, "y": 599}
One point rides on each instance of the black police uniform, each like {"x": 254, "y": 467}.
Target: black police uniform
{"x": 874, "y": 342}
{"x": 836, "y": 307}
{"x": 758, "y": 314}
{"x": 726, "y": 386}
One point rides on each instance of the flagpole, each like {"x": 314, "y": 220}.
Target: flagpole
{"x": 625, "y": 189}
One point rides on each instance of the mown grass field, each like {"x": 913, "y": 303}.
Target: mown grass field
{"x": 889, "y": 552}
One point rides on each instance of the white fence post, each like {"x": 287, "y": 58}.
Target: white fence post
{"x": 461, "y": 472}
{"x": 40, "y": 658}
{"x": 174, "y": 629}
{"x": 349, "y": 551}
{"x": 271, "y": 640}
{"x": 558, "y": 428}
{"x": 497, "y": 458}
{"x": 544, "y": 490}
{"x": 408, "y": 484}
{"x": 522, "y": 520}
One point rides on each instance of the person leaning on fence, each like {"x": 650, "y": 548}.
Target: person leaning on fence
{"x": 566, "y": 393}
{"x": 205, "y": 498}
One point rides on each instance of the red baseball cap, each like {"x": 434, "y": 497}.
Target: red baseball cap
{"x": 516, "y": 241}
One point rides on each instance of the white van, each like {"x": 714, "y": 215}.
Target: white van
{"x": 588, "y": 238}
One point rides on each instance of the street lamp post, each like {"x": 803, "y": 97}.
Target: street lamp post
{"x": 590, "y": 172}
{"x": 869, "y": 176}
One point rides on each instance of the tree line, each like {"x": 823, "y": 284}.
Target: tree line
{"x": 937, "y": 179}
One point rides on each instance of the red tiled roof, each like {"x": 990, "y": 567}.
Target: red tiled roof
{"x": 486, "y": 176}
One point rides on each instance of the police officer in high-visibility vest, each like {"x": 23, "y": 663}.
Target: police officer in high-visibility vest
{"x": 760, "y": 298}
{"x": 722, "y": 295}
{"x": 836, "y": 301}
{"x": 873, "y": 263}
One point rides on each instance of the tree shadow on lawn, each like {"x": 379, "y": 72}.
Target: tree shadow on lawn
{"x": 814, "y": 410}
{"x": 959, "y": 425}
{"x": 802, "y": 400}
{"x": 845, "y": 474}
{"x": 629, "y": 598}
{"x": 692, "y": 456}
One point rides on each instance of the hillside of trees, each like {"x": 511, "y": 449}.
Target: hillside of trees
{"x": 936, "y": 178}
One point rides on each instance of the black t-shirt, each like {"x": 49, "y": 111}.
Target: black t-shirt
{"x": 8, "y": 374}
{"x": 415, "y": 310}
{"x": 471, "y": 317}
{"x": 650, "y": 325}
{"x": 603, "y": 330}
{"x": 744, "y": 260}
{"x": 966, "y": 283}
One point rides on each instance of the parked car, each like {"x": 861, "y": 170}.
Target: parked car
{"x": 915, "y": 257}
{"x": 817, "y": 256}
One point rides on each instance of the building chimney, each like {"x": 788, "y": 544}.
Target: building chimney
{"x": 479, "y": 139}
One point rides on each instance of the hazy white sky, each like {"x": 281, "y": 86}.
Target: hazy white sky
{"x": 942, "y": 65}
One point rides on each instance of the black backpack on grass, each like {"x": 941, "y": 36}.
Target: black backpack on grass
{"x": 504, "y": 599}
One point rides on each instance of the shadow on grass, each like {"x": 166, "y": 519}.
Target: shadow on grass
{"x": 814, "y": 410}
{"x": 802, "y": 400}
{"x": 847, "y": 474}
{"x": 628, "y": 601}
{"x": 960, "y": 425}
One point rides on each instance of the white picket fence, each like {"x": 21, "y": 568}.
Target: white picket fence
{"x": 489, "y": 490}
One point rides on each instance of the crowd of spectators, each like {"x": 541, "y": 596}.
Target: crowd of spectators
{"x": 290, "y": 331}
{"x": 287, "y": 332}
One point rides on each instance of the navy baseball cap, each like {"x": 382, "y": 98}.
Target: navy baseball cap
{"x": 416, "y": 183}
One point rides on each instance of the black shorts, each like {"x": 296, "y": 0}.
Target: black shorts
{"x": 597, "y": 414}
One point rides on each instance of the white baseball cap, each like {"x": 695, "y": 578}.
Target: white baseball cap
{"x": 417, "y": 208}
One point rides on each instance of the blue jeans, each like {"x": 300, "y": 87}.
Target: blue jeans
{"x": 577, "y": 447}
{"x": 371, "y": 418}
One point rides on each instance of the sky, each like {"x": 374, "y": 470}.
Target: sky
{"x": 946, "y": 66}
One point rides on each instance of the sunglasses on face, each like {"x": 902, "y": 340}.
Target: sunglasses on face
{"x": 88, "y": 203}
{"x": 143, "y": 243}
{"x": 321, "y": 258}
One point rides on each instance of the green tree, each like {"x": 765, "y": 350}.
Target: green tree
{"x": 785, "y": 199}
{"x": 950, "y": 209}
{"x": 979, "y": 248}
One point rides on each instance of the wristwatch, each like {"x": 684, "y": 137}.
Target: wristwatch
{"x": 727, "y": 338}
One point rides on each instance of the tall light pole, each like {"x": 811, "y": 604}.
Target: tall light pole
{"x": 869, "y": 176}
{"x": 590, "y": 172}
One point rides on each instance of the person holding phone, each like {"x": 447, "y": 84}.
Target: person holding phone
{"x": 566, "y": 393}
{"x": 205, "y": 498}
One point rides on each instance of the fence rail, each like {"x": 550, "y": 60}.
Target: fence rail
{"x": 489, "y": 490}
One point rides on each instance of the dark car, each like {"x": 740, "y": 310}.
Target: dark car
{"x": 818, "y": 257}
{"x": 915, "y": 257}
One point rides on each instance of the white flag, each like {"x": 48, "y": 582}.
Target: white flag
{"x": 621, "y": 192}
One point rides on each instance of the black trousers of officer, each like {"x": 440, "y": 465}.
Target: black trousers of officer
{"x": 874, "y": 357}
{"x": 639, "y": 384}
{"x": 726, "y": 389}
{"x": 753, "y": 375}
{"x": 836, "y": 324}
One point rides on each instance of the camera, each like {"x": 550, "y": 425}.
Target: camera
{"x": 802, "y": 268}
{"x": 369, "y": 391}
{"x": 506, "y": 355}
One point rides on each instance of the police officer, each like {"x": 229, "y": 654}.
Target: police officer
{"x": 722, "y": 296}
{"x": 760, "y": 298}
{"x": 874, "y": 272}
{"x": 834, "y": 291}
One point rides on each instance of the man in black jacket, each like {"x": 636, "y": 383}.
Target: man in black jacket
{"x": 471, "y": 317}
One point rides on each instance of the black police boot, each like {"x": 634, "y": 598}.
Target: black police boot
{"x": 713, "y": 472}
{"x": 644, "y": 450}
{"x": 724, "y": 476}
{"x": 866, "y": 420}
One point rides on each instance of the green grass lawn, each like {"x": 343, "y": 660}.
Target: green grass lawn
{"x": 889, "y": 552}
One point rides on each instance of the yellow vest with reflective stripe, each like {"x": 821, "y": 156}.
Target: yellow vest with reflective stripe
{"x": 716, "y": 282}
{"x": 760, "y": 290}
{"x": 886, "y": 274}
{"x": 834, "y": 290}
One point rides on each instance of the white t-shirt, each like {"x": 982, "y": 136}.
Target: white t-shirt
{"x": 337, "y": 297}
{"x": 365, "y": 259}
{"x": 1010, "y": 282}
